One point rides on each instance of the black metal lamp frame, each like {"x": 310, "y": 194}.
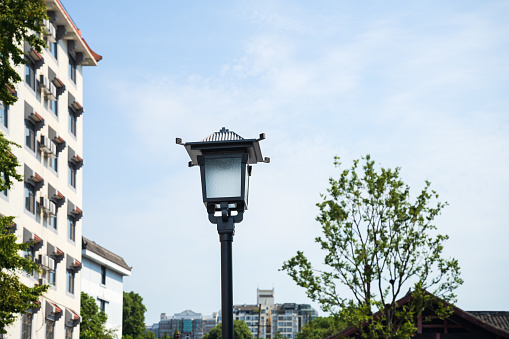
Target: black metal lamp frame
{"x": 225, "y": 212}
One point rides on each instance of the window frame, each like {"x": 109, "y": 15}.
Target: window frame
{"x": 71, "y": 228}
{"x": 72, "y": 68}
{"x": 30, "y": 73}
{"x": 4, "y": 116}
{"x": 50, "y": 328}
{"x": 73, "y": 174}
{"x": 26, "y": 326}
{"x": 30, "y": 135}
{"x": 103, "y": 275}
{"x": 73, "y": 122}
{"x": 30, "y": 197}
{"x": 70, "y": 281}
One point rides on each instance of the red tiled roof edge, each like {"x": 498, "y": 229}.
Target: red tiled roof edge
{"x": 97, "y": 57}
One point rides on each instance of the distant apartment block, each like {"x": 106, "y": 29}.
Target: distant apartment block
{"x": 188, "y": 323}
{"x": 102, "y": 277}
{"x": 264, "y": 319}
{"x": 47, "y": 121}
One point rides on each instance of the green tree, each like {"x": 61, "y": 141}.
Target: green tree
{"x": 133, "y": 317}
{"x": 18, "y": 19}
{"x": 15, "y": 297}
{"x": 93, "y": 321}
{"x": 240, "y": 331}
{"x": 379, "y": 243}
{"x": 321, "y": 327}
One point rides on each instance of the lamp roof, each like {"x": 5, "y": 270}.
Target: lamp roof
{"x": 223, "y": 135}
{"x": 225, "y": 141}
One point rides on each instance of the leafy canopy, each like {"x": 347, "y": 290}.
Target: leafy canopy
{"x": 93, "y": 321}
{"x": 19, "y": 19}
{"x": 379, "y": 243}
{"x": 240, "y": 331}
{"x": 15, "y": 297}
{"x": 133, "y": 317}
{"x": 321, "y": 327}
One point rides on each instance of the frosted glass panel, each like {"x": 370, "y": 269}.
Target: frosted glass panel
{"x": 223, "y": 177}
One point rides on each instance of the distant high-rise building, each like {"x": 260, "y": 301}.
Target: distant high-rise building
{"x": 47, "y": 121}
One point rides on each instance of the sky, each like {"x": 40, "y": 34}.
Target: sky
{"x": 417, "y": 85}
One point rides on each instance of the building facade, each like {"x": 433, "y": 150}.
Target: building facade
{"x": 47, "y": 121}
{"x": 264, "y": 319}
{"x": 102, "y": 277}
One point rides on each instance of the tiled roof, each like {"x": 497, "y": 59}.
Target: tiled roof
{"x": 498, "y": 319}
{"x": 101, "y": 251}
{"x": 223, "y": 135}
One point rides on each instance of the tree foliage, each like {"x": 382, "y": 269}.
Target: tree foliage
{"x": 321, "y": 327}
{"x": 240, "y": 331}
{"x": 15, "y": 297}
{"x": 133, "y": 317}
{"x": 19, "y": 20}
{"x": 379, "y": 243}
{"x": 93, "y": 321}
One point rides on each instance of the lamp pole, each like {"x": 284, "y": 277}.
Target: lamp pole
{"x": 224, "y": 159}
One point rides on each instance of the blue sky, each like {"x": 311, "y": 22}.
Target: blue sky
{"x": 421, "y": 85}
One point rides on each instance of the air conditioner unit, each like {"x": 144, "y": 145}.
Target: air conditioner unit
{"x": 44, "y": 204}
{"x": 51, "y": 264}
{"x": 52, "y": 150}
{"x": 51, "y": 94}
{"x": 49, "y": 30}
{"x": 44, "y": 261}
{"x": 44, "y": 144}
{"x": 43, "y": 83}
{"x": 52, "y": 208}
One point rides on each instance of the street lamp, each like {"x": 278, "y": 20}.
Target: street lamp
{"x": 225, "y": 160}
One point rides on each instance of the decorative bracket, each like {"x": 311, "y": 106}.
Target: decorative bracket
{"x": 226, "y": 222}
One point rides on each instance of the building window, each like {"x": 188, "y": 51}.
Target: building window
{"x": 26, "y": 326}
{"x": 72, "y": 175}
{"x": 103, "y": 275}
{"x": 73, "y": 120}
{"x": 53, "y": 162}
{"x": 72, "y": 68}
{"x": 30, "y": 135}
{"x": 53, "y": 106}
{"x": 30, "y": 74}
{"x": 29, "y": 198}
{"x": 52, "y": 277}
{"x": 70, "y": 281}
{"x": 53, "y": 49}
{"x": 71, "y": 228}
{"x": 68, "y": 332}
{"x": 53, "y": 221}
{"x": 102, "y": 305}
{"x": 4, "y": 115}
{"x": 2, "y": 177}
{"x": 50, "y": 329}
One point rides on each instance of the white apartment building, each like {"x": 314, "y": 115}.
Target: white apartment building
{"x": 102, "y": 277}
{"x": 47, "y": 121}
{"x": 266, "y": 318}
